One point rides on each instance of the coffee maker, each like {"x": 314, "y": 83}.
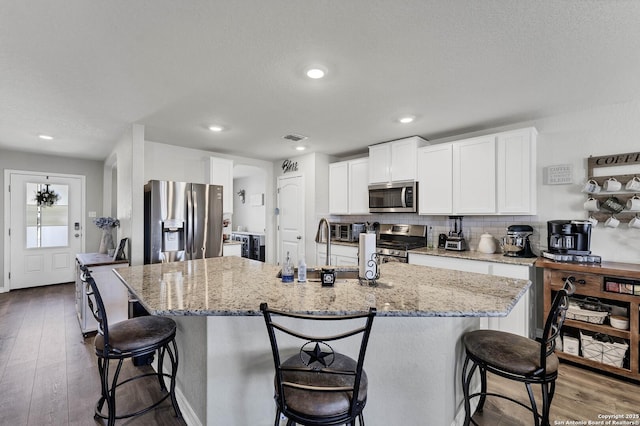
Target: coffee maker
{"x": 569, "y": 237}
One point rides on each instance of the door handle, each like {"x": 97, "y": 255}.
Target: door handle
{"x": 76, "y": 235}
{"x": 298, "y": 237}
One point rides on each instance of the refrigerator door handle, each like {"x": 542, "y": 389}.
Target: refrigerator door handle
{"x": 188, "y": 249}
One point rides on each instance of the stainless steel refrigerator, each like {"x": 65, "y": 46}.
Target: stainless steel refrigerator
{"x": 183, "y": 221}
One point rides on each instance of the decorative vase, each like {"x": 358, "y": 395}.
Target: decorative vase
{"x": 106, "y": 242}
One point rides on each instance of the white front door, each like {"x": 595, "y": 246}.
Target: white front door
{"x": 291, "y": 217}
{"x": 43, "y": 240}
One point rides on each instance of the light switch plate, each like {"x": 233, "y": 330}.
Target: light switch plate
{"x": 92, "y": 214}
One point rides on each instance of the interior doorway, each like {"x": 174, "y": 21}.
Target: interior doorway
{"x": 290, "y": 201}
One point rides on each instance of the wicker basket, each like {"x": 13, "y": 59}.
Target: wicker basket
{"x": 611, "y": 351}
{"x": 575, "y": 312}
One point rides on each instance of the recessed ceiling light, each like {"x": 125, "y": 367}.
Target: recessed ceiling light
{"x": 45, "y": 137}
{"x": 407, "y": 119}
{"x": 216, "y": 128}
{"x": 315, "y": 73}
{"x": 300, "y": 148}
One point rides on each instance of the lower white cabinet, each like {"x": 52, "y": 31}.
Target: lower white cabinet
{"x": 340, "y": 255}
{"x": 232, "y": 250}
{"x": 114, "y": 294}
{"x": 521, "y": 319}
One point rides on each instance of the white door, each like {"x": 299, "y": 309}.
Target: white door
{"x": 44, "y": 239}
{"x": 291, "y": 217}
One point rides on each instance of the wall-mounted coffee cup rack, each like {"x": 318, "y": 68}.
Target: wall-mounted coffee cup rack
{"x": 611, "y": 190}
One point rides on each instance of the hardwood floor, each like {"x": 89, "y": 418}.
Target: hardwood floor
{"x": 48, "y": 375}
{"x": 48, "y": 372}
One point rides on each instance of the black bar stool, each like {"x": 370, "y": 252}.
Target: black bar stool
{"x": 517, "y": 358}
{"x": 318, "y": 386}
{"x": 127, "y": 339}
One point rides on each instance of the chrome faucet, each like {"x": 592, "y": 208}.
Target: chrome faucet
{"x": 319, "y": 237}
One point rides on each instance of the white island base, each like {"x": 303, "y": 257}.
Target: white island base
{"x": 225, "y": 375}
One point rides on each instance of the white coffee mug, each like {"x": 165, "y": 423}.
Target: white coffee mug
{"x": 592, "y": 205}
{"x": 634, "y": 222}
{"x": 593, "y": 221}
{"x": 633, "y": 184}
{"x": 611, "y": 185}
{"x": 633, "y": 204}
{"x": 591, "y": 187}
{"x": 612, "y": 222}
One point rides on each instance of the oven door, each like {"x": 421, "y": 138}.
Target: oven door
{"x": 396, "y": 197}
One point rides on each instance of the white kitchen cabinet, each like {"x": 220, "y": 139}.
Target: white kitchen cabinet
{"x": 349, "y": 187}
{"x": 435, "y": 185}
{"x": 493, "y": 174}
{"x": 232, "y": 250}
{"x": 338, "y": 188}
{"x": 394, "y": 161}
{"x": 341, "y": 255}
{"x": 521, "y": 319}
{"x": 221, "y": 173}
{"x": 516, "y": 168}
{"x": 359, "y": 186}
{"x": 474, "y": 176}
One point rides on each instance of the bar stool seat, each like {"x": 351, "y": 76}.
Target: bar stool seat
{"x": 141, "y": 334}
{"x": 508, "y": 352}
{"x": 334, "y": 404}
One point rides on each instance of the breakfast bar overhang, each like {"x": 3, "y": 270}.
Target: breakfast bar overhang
{"x": 414, "y": 356}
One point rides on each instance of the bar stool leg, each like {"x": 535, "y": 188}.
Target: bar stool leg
{"x": 534, "y": 407}
{"x": 466, "y": 380}
{"x": 173, "y": 355}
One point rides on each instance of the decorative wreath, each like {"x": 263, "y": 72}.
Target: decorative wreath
{"x": 46, "y": 198}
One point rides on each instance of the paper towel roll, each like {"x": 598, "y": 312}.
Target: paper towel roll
{"x": 366, "y": 256}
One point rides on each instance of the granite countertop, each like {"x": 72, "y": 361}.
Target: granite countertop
{"x": 467, "y": 254}
{"x": 97, "y": 259}
{"x": 476, "y": 255}
{"x": 236, "y": 286}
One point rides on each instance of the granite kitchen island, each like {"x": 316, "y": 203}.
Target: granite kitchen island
{"x": 413, "y": 358}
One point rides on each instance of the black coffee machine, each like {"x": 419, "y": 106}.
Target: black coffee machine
{"x": 569, "y": 237}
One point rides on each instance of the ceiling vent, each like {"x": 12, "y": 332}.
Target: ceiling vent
{"x": 294, "y": 138}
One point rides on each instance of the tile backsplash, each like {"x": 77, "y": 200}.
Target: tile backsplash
{"x": 473, "y": 226}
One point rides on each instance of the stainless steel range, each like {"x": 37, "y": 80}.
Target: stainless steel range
{"x": 395, "y": 241}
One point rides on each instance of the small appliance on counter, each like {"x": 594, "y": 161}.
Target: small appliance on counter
{"x": 569, "y": 241}
{"x": 455, "y": 239}
{"x": 516, "y": 243}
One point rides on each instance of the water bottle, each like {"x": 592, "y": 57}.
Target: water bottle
{"x": 287, "y": 270}
{"x": 302, "y": 271}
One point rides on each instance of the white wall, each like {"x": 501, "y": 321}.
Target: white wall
{"x": 167, "y": 162}
{"x": 247, "y": 215}
{"x": 315, "y": 169}
{"x": 127, "y": 157}
{"x": 91, "y": 169}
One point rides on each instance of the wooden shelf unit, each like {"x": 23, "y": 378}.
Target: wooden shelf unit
{"x": 593, "y": 277}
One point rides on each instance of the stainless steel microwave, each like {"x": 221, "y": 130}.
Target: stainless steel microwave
{"x": 394, "y": 197}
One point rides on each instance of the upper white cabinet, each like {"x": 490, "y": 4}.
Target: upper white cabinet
{"x": 474, "y": 176}
{"x": 493, "y": 174}
{"x": 349, "y": 187}
{"x": 435, "y": 194}
{"x": 516, "y": 169}
{"x": 394, "y": 161}
{"x": 338, "y": 188}
{"x": 221, "y": 173}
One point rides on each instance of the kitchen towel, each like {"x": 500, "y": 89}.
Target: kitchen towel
{"x": 367, "y": 256}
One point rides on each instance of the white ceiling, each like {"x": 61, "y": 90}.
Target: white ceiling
{"x": 84, "y": 71}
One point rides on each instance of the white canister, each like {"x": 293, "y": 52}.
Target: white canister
{"x": 487, "y": 244}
